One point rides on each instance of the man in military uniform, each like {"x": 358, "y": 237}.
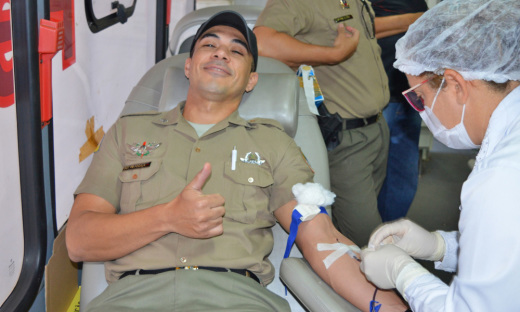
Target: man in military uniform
{"x": 180, "y": 222}
{"x": 337, "y": 37}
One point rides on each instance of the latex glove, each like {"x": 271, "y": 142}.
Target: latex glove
{"x": 416, "y": 241}
{"x": 390, "y": 267}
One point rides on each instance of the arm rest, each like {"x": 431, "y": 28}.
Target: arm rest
{"x": 93, "y": 282}
{"x": 310, "y": 289}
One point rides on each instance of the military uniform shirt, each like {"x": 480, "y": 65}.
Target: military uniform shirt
{"x": 355, "y": 88}
{"x": 132, "y": 177}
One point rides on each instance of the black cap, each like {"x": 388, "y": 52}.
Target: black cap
{"x": 231, "y": 19}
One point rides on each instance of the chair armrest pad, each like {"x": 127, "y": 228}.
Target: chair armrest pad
{"x": 310, "y": 289}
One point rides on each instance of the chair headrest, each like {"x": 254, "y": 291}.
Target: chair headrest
{"x": 187, "y": 26}
{"x": 275, "y": 96}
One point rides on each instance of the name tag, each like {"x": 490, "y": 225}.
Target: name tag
{"x": 137, "y": 166}
{"x": 342, "y": 18}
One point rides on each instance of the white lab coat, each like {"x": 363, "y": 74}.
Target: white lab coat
{"x": 488, "y": 248}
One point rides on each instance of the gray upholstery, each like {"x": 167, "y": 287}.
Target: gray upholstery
{"x": 281, "y": 83}
{"x": 310, "y": 289}
{"x": 280, "y": 106}
{"x": 187, "y": 26}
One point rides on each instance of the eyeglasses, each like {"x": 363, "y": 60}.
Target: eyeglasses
{"x": 416, "y": 101}
{"x": 368, "y": 19}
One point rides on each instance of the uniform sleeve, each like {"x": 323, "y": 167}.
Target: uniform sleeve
{"x": 292, "y": 169}
{"x": 287, "y": 16}
{"x": 487, "y": 278}
{"x": 102, "y": 177}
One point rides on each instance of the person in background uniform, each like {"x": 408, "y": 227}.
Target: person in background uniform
{"x": 462, "y": 60}
{"x": 179, "y": 224}
{"x": 338, "y": 39}
{"x": 402, "y": 171}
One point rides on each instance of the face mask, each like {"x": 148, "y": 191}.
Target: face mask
{"x": 456, "y": 137}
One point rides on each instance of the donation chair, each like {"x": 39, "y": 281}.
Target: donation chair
{"x": 276, "y": 96}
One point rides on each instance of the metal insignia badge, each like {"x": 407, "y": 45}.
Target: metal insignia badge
{"x": 143, "y": 149}
{"x": 344, "y": 4}
{"x": 252, "y": 158}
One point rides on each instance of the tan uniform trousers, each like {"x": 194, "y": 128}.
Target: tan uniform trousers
{"x": 186, "y": 291}
{"x": 357, "y": 171}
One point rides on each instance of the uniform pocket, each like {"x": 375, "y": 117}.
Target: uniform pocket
{"x": 138, "y": 185}
{"x": 248, "y": 192}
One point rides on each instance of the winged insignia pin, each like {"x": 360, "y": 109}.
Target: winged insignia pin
{"x": 143, "y": 149}
{"x": 252, "y": 159}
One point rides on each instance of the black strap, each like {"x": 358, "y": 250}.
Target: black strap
{"x": 349, "y": 124}
{"x": 243, "y": 272}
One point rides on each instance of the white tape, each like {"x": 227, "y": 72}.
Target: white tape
{"x": 308, "y": 212}
{"x": 339, "y": 250}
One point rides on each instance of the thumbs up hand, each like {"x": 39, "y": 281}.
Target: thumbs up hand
{"x": 194, "y": 214}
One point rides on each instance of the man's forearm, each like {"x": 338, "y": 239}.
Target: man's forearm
{"x": 395, "y": 24}
{"x": 343, "y": 275}
{"x": 291, "y": 51}
{"x": 101, "y": 236}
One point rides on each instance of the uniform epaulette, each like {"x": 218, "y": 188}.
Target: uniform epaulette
{"x": 145, "y": 113}
{"x": 267, "y": 122}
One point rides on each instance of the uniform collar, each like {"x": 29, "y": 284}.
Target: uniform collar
{"x": 174, "y": 117}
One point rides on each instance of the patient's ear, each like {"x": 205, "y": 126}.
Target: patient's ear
{"x": 187, "y": 67}
{"x": 253, "y": 80}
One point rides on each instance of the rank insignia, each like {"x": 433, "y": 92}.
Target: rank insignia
{"x": 252, "y": 158}
{"x": 143, "y": 149}
{"x": 344, "y": 4}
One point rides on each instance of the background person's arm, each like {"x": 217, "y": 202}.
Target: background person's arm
{"x": 293, "y": 52}
{"x": 394, "y": 24}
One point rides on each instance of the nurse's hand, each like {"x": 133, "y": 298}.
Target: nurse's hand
{"x": 389, "y": 267}
{"x": 416, "y": 241}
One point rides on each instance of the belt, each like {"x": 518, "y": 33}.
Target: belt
{"x": 349, "y": 124}
{"x": 243, "y": 272}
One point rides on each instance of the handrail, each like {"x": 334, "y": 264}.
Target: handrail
{"x": 25, "y": 47}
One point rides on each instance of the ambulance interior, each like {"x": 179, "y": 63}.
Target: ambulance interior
{"x": 131, "y": 80}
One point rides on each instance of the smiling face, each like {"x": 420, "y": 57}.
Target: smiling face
{"x": 220, "y": 68}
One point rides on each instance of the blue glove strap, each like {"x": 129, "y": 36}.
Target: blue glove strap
{"x": 374, "y": 306}
{"x": 293, "y": 230}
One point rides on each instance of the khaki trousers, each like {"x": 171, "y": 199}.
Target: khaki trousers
{"x": 357, "y": 171}
{"x": 187, "y": 290}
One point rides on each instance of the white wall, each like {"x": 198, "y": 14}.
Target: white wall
{"x": 11, "y": 227}
{"x": 108, "y": 65}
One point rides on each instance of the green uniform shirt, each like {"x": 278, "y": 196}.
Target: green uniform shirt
{"x": 355, "y": 88}
{"x": 132, "y": 177}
